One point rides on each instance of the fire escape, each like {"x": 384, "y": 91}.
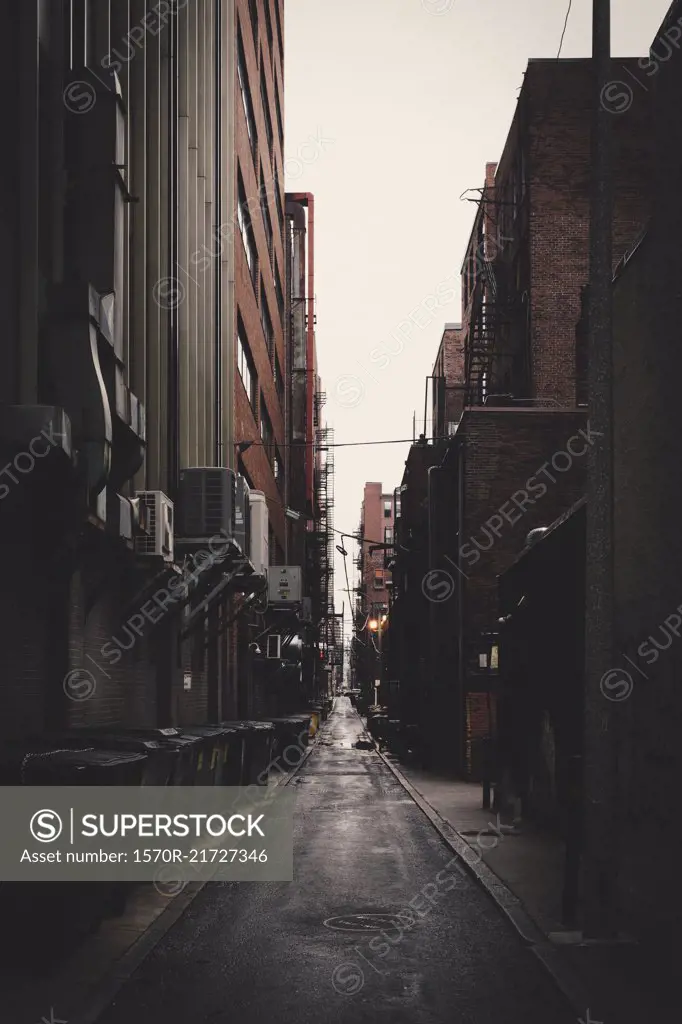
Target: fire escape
{"x": 325, "y": 442}
{"x": 488, "y": 351}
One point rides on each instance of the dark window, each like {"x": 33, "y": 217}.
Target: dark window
{"x": 266, "y": 110}
{"x": 278, "y": 111}
{"x": 278, "y": 201}
{"x": 245, "y": 365}
{"x": 280, "y": 39}
{"x": 253, "y": 14}
{"x": 387, "y": 508}
{"x": 280, "y": 293}
{"x": 278, "y": 470}
{"x": 266, "y": 321}
{"x": 266, "y": 433}
{"x": 268, "y": 27}
{"x": 267, "y": 220}
{"x": 246, "y": 230}
{"x": 279, "y": 380}
{"x": 246, "y": 94}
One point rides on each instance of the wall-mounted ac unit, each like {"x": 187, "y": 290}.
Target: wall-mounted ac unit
{"x": 158, "y": 541}
{"x": 259, "y": 553}
{"x": 206, "y": 503}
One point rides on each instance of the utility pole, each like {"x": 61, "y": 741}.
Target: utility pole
{"x": 599, "y": 838}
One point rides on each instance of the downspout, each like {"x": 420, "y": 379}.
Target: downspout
{"x": 173, "y": 396}
{"x": 217, "y": 267}
{"x": 308, "y": 199}
{"x": 310, "y": 350}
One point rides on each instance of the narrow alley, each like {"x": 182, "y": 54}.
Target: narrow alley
{"x": 331, "y": 946}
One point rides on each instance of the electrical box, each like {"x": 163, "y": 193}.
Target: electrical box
{"x": 259, "y": 553}
{"x": 284, "y": 584}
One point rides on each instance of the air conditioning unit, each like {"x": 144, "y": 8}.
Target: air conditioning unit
{"x": 259, "y": 553}
{"x": 242, "y": 516}
{"x": 206, "y": 503}
{"x": 158, "y": 541}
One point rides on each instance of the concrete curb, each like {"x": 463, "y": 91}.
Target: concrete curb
{"x": 549, "y": 955}
{"x": 111, "y": 983}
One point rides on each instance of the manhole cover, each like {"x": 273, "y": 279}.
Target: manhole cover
{"x": 360, "y": 922}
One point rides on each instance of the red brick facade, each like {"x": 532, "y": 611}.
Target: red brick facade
{"x": 264, "y": 59}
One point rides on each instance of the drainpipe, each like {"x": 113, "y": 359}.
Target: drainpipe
{"x": 217, "y": 264}
{"x": 307, "y": 199}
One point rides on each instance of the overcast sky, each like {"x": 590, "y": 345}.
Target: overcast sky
{"x": 393, "y": 108}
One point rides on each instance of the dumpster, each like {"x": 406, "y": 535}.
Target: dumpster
{"x": 233, "y": 766}
{"x": 258, "y": 738}
{"x": 160, "y": 764}
{"x": 291, "y": 739}
{"x": 43, "y": 919}
{"x": 213, "y": 753}
{"x": 185, "y": 747}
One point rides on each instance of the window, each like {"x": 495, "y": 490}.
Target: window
{"x": 278, "y": 470}
{"x": 388, "y": 535}
{"x": 266, "y": 321}
{"x": 378, "y": 579}
{"x": 387, "y": 508}
{"x": 244, "y": 221}
{"x": 253, "y": 13}
{"x": 245, "y": 366}
{"x": 267, "y": 221}
{"x": 266, "y": 110}
{"x": 246, "y": 95}
{"x": 278, "y": 201}
{"x": 280, "y": 293}
{"x": 266, "y": 434}
{"x": 278, "y": 111}
{"x": 268, "y": 27}
{"x": 279, "y": 380}
{"x": 279, "y": 31}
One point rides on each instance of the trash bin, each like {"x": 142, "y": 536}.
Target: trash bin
{"x": 291, "y": 739}
{"x": 186, "y": 748}
{"x": 233, "y": 767}
{"x": 160, "y": 764}
{"x": 258, "y": 738}
{"x": 43, "y": 919}
{"x": 213, "y": 754}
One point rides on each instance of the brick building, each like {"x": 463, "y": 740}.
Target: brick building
{"x": 508, "y": 390}
{"x": 377, "y": 516}
{"x": 522, "y": 300}
{"x": 145, "y": 294}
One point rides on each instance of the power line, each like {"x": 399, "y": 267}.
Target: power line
{"x": 341, "y": 444}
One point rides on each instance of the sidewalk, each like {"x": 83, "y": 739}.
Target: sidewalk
{"x": 620, "y": 983}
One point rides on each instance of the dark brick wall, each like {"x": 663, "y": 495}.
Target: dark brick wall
{"x": 549, "y": 144}
{"x": 504, "y": 450}
{"x": 648, "y": 540}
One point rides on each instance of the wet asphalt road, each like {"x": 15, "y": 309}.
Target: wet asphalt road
{"x": 265, "y": 953}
